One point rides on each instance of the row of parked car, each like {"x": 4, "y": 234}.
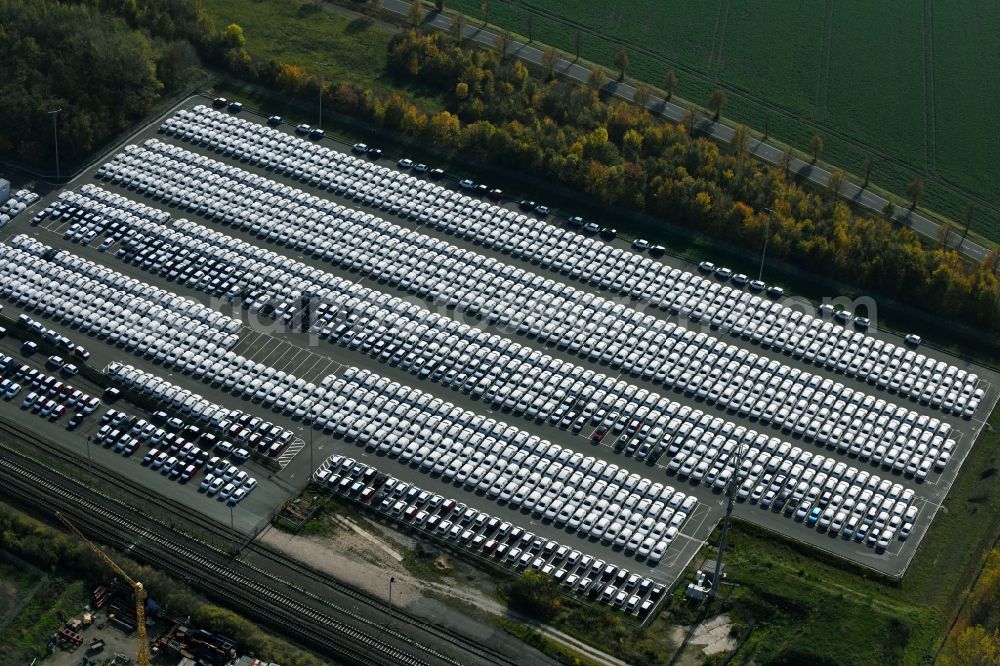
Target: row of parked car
{"x": 178, "y": 451}
{"x": 48, "y": 395}
{"x": 77, "y": 351}
{"x": 649, "y": 435}
{"x": 100, "y": 301}
{"x": 453, "y": 522}
{"x": 682, "y": 292}
{"x": 16, "y": 204}
{"x": 103, "y": 213}
{"x": 240, "y": 429}
{"x": 700, "y": 364}
{"x": 581, "y": 493}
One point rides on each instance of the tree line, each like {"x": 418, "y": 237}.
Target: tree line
{"x": 102, "y": 64}
{"x": 618, "y": 152}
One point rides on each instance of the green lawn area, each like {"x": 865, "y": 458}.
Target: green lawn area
{"x": 911, "y": 85}
{"x": 970, "y": 91}
{"x": 317, "y": 38}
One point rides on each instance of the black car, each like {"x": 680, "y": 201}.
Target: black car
{"x": 374, "y": 153}
{"x": 235, "y": 107}
{"x": 316, "y": 133}
{"x": 274, "y": 121}
{"x": 220, "y": 102}
{"x": 608, "y": 233}
{"x": 527, "y": 204}
{"x": 482, "y": 190}
{"x": 436, "y": 174}
{"x": 656, "y": 250}
{"x": 495, "y": 194}
{"x": 575, "y": 222}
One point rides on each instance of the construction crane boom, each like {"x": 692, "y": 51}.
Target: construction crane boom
{"x": 142, "y": 658}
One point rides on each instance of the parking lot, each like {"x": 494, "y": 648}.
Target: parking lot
{"x": 245, "y": 516}
{"x": 590, "y": 351}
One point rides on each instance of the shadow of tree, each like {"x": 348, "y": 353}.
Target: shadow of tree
{"x": 359, "y": 24}
{"x": 307, "y": 9}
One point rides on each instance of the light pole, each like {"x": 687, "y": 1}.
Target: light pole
{"x": 767, "y": 234}
{"x": 55, "y": 135}
{"x": 319, "y": 66}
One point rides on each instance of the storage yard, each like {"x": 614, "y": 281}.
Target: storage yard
{"x": 292, "y": 311}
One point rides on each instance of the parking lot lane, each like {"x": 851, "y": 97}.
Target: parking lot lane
{"x": 302, "y": 361}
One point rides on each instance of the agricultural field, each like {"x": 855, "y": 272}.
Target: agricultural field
{"x": 901, "y": 83}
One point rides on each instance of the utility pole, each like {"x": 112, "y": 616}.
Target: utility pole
{"x": 55, "y": 135}
{"x": 90, "y": 462}
{"x": 392, "y": 579}
{"x": 731, "y": 488}
{"x": 767, "y": 234}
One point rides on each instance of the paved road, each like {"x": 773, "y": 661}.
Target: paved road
{"x": 718, "y": 131}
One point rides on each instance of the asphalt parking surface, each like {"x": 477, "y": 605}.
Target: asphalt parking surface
{"x": 312, "y": 359}
{"x": 249, "y": 514}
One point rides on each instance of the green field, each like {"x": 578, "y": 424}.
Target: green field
{"x": 317, "y": 38}
{"x": 908, "y": 84}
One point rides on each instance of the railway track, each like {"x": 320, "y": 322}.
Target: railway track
{"x": 302, "y": 620}
{"x": 291, "y": 614}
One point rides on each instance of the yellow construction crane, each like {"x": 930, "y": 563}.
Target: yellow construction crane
{"x": 142, "y": 659}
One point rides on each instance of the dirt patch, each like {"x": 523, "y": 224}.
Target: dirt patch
{"x": 703, "y": 640}
{"x": 368, "y": 555}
